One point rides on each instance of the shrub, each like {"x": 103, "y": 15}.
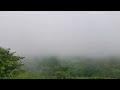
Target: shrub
{"x": 10, "y": 64}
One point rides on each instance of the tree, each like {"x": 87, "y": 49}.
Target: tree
{"x": 10, "y": 64}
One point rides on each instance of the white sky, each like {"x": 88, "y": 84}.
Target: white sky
{"x": 88, "y": 33}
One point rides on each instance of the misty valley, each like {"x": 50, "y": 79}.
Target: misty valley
{"x": 53, "y": 67}
{"x": 59, "y": 45}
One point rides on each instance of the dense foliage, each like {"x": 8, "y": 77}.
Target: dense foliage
{"x": 54, "y": 68}
{"x": 9, "y": 63}
{"x": 58, "y": 68}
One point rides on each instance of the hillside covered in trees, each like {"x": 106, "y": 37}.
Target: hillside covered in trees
{"x": 13, "y": 67}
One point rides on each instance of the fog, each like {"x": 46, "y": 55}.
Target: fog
{"x": 61, "y": 33}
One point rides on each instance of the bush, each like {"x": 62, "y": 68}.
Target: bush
{"x": 10, "y": 64}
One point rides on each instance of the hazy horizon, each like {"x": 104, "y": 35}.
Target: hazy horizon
{"x": 61, "y": 33}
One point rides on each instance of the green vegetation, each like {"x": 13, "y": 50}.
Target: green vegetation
{"x": 11, "y": 67}
{"x": 9, "y": 63}
{"x": 54, "y": 68}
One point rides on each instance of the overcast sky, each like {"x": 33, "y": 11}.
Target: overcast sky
{"x": 87, "y": 33}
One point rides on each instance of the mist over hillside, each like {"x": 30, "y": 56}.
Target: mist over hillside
{"x": 60, "y": 45}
